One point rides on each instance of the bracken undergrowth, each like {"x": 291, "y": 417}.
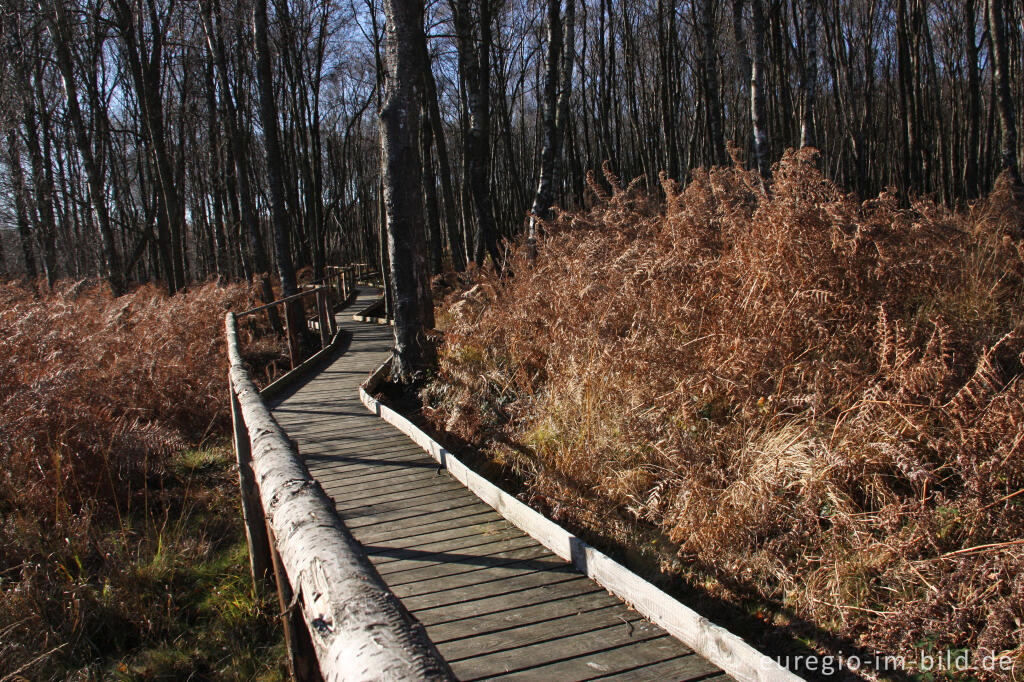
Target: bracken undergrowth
{"x": 813, "y": 398}
{"x": 120, "y": 539}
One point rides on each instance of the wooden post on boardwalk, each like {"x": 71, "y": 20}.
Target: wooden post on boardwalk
{"x": 322, "y": 313}
{"x": 252, "y": 508}
{"x": 302, "y": 663}
{"x": 291, "y": 336}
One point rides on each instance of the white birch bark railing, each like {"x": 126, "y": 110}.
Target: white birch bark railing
{"x": 356, "y": 626}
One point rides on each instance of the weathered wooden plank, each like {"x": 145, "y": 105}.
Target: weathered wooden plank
{"x": 440, "y": 570}
{"x": 414, "y": 518}
{"x": 488, "y": 574}
{"x": 501, "y": 603}
{"x": 367, "y": 513}
{"x": 541, "y": 630}
{"x": 375, "y": 479}
{"x": 397, "y": 490}
{"x": 386, "y": 553}
{"x": 354, "y": 520}
{"x": 469, "y": 593}
{"x": 680, "y": 668}
{"x": 622, "y": 659}
{"x": 559, "y": 650}
{"x": 465, "y": 533}
{"x": 575, "y": 603}
{"x": 424, "y": 498}
{"x": 390, "y": 561}
{"x": 428, "y": 524}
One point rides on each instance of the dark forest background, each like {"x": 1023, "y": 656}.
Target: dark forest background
{"x": 139, "y": 136}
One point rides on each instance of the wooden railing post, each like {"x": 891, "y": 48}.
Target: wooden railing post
{"x": 291, "y": 336}
{"x": 332, "y": 301}
{"x": 302, "y": 663}
{"x": 321, "y": 313}
{"x": 252, "y": 508}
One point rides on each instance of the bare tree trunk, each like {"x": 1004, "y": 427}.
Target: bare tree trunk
{"x": 430, "y": 194}
{"x": 42, "y": 182}
{"x": 239, "y": 153}
{"x": 275, "y": 161}
{"x": 758, "y": 110}
{"x": 543, "y": 197}
{"x": 1001, "y": 78}
{"x": 476, "y": 63}
{"x": 712, "y": 102}
{"x": 971, "y": 183}
{"x": 60, "y": 30}
{"x": 451, "y": 209}
{"x": 809, "y": 75}
{"x": 145, "y": 72}
{"x": 20, "y": 205}
{"x": 403, "y": 198}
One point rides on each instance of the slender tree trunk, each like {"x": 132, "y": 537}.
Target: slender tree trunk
{"x": 145, "y": 72}
{"x": 543, "y": 197}
{"x": 758, "y": 108}
{"x": 809, "y": 75}
{"x": 60, "y": 31}
{"x": 1001, "y": 78}
{"x": 20, "y": 204}
{"x": 279, "y": 218}
{"x": 477, "y": 75}
{"x": 971, "y": 184}
{"x": 430, "y": 195}
{"x": 42, "y": 183}
{"x": 712, "y": 103}
{"x": 403, "y": 199}
{"x": 451, "y": 209}
{"x": 259, "y": 268}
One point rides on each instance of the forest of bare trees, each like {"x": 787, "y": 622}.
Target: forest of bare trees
{"x": 172, "y": 141}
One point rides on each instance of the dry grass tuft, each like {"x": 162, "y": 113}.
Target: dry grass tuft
{"x": 815, "y": 398}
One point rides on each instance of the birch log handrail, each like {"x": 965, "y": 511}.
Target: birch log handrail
{"x": 357, "y": 627}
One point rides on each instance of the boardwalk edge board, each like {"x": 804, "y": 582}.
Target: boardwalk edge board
{"x": 723, "y": 648}
{"x": 358, "y": 628}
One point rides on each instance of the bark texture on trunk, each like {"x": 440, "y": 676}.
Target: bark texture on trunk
{"x": 543, "y": 198}
{"x": 279, "y": 218}
{"x": 403, "y": 193}
{"x": 1004, "y": 100}
{"x": 809, "y": 75}
{"x": 758, "y": 105}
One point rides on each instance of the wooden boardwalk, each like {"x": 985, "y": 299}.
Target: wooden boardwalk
{"x": 495, "y": 602}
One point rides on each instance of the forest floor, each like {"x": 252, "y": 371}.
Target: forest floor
{"x": 803, "y": 406}
{"x": 122, "y": 552}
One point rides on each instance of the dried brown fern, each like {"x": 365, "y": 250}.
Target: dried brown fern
{"x": 814, "y": 397}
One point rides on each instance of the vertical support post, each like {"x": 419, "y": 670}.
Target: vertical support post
{"x": 291, "y": 338}
{"x": 332, "y": 302}
{"x": 322, "y": 313}
{"x": 252, "y": 508}
{"x": 302, "y": 662}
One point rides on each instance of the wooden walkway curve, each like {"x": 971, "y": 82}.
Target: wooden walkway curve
{"x": 495, "y": 602}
